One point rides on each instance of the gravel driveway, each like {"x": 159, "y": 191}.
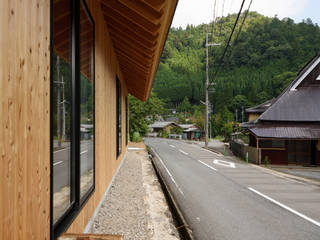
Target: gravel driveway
{"x": 135, "y": 205}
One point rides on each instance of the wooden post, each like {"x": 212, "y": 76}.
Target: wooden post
{"x": 258, "y": 157}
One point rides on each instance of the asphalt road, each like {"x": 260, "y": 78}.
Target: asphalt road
{"x": 222, "y": 198}
{"x": 61, "y": 164}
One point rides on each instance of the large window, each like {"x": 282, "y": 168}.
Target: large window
{"x": 86, "y": 102}
{"x": 72, "y": 110}
{"x": 61, "y": 111}
{"x": 119, "y": 116}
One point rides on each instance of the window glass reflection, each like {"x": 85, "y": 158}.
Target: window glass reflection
{"x": 86, "y": 103}
{"x": 61, "y": 108}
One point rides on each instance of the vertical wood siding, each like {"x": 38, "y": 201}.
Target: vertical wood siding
{"x": 24, "y": 119}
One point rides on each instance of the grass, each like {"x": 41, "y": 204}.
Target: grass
{"x": 219, "y": 138}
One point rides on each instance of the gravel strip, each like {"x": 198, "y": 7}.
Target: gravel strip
{"x": 135, "y": 206}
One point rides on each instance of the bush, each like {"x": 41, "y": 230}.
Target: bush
{"x": 164, "y": 134}
{"x": 136, "y": 137}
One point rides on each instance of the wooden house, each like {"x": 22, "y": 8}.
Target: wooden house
{"x": 66, "y": 68}
{"x": 160, "y": 126}
{"x": 288, "y": 132}
{"x": 191, "y": 132}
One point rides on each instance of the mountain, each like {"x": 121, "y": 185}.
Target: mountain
{"x": 267, "y": 55}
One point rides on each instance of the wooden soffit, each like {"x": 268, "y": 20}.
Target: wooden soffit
{"x": 138, "y": 30}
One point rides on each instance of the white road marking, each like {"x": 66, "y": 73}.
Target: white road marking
{"x": 134, "y": 148}
{"x": 84, "y": 152}
{"x": 207, "y": 165}
{"x": 285, "y": 207}
{"x": 224, "y": 163}
{"x": 183, "y": 152}
{"x": 172, "y": 146}
{"x": 170, "y": 175}
{"x": 57, "y": 163}
{"x": 219, "y": 154}
{"x": 61, "y": 150}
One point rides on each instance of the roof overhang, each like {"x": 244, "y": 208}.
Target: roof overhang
{"x": 138, "y": 30}
{"x": 283, "y": 131}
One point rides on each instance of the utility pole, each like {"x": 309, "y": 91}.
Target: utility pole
{"x": 63, "y": 111}
{"x": 236, "y": 115}
{"x": 207, "y": 89}
{"x": 242, "y": 113}
{"x": 58, "y": 103}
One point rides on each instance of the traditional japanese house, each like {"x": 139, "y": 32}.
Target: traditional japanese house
{"x": 288, "y": 131}
{"x": 66, "y": 68}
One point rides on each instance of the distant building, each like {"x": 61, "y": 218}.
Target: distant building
{"x": 191, "y": 132}
{"x": 288, "y": 131}
{"x": 158, "y": 127}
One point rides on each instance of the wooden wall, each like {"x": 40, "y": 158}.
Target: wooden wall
{"x": 275, "y": 156}
{"x": 24, "y": 119}
{"x": 106, "y": 69}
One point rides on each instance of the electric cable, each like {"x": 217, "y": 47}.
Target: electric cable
{"x": 229, "y": 40}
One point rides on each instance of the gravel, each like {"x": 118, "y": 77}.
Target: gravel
{"x": 135, "y": 206}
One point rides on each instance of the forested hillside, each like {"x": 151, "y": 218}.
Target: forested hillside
{"x": 266, "y": 56}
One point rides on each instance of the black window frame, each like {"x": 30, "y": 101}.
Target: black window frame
{"x": 127, "y": 120}
{"x": 77, "y": 203}
{"x": 118, "y": 117}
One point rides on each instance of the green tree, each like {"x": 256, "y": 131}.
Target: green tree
{"x": 143, "y": 113}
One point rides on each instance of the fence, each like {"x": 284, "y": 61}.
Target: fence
{"x": 240, "y": 150}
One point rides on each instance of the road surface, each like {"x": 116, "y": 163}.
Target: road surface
{"x": 223, "y": 198}
{"x": 61, "y": 162}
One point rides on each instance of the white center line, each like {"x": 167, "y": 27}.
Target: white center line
{"x": 207, "y": 165}
{"x": 57, "y": 163}
{"x": 64, "y": 149}
{"x": 84, "y": 152}
{"x": 172, "y": 146}
{"x": 285, "y": 207}
{"x": 183, "y": 152}
{"x": 170, "y": 175}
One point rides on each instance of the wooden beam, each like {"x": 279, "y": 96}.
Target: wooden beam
{"x": 133, "y": 64}
{"x": 126, "y": 12}
{"x": 156, "y": 4}
{"x": 138, "y": 62}
{"x": 132, "y": 71}
{"x": 132, "y": 49}
{"x": 113, "y": 16}
{"x": 131, "y": 35}
{"x": 144, "y": 9}
{"x": 61, "y": 9}
{"x": 132, "y": 42}
{"x": 133, "y": 56}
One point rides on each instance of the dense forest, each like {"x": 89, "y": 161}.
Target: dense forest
{"x": 260, "y": 63}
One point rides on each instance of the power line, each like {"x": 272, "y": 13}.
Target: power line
{"x": 214, "y": 15}
{"x": 244, "y": 19}
{"x": 221, "y": 18}
{"x": 240, "y": 30}
{"x": 229, "y": 40}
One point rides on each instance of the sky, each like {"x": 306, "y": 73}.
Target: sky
{"x": 196, "y": 12}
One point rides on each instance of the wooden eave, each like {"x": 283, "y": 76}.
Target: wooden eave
{"x": 138, "y": 30}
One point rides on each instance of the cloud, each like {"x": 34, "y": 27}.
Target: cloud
{"x": 283, "y": 8}
{"x": 201, "y": 11}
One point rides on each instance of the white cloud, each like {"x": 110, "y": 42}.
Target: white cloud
{"x": 283, "y": 8}
{"x": 201, "y": 11}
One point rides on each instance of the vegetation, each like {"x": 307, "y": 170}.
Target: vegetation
{"x": 266, "y": 57}
{"x": 144, "y": 113}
